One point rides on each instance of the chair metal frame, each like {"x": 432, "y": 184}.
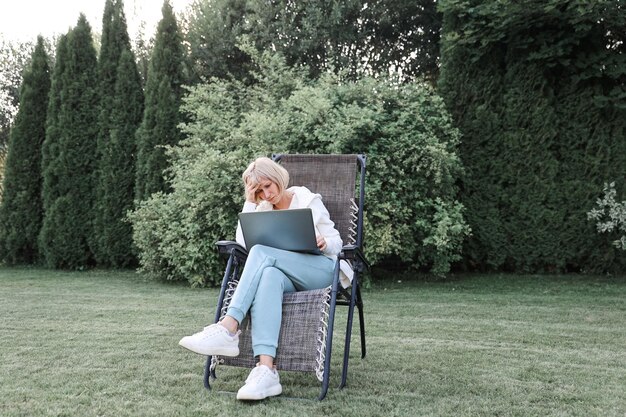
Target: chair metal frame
{"x": 350, "y": 297}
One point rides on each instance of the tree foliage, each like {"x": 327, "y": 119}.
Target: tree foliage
{"x": 538, "y": 92}
{"x": 142, "y": 48}
{"x": 111, "y": 242}
{"x": 21, "y": 208}
{"x": 117, "y": 180}
{"x": 354, "y": 37}
{"x": 50, "y": 152}
{"x": 411, "y": 214}
{"x": 3, "y": 157}
{"x": 163, "y": 93}
{"x": 14, "y": 58}
{"x": 211, "y": 32}
{"x": 69, "y": 199}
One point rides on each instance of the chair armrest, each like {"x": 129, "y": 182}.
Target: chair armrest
{"x": 228, "y": 247}
{"x": 354, "y": 253}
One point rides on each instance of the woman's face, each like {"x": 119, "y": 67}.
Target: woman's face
{"x": 268, "y": 190}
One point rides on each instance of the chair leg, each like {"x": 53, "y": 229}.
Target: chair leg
{"x": 326, "y": 377}
{"x": 359, "y": 304}
{"x": 346, "y": 352}
{"x": 207, "y": 373}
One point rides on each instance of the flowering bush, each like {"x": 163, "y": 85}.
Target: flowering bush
{"x": 610, "y": 215}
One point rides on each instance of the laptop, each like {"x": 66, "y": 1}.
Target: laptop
{"x": 291, "y": 230}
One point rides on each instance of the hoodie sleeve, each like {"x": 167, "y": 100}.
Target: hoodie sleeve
{"x": 325, "y": 227}
{"x": 247, "y": 207}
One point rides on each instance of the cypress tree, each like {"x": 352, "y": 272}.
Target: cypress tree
{"x": 115, "y": 40}
{"x": 21, "y": 208}
{"x": 50, "y": 148}
{"x": 161, "y": 114}
{"x": 117, "y": 178}
{"x": 68, "y": 220}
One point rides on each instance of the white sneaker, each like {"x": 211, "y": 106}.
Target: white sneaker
{"x": 262, "y": 382}
{"x": 213, "y": 340}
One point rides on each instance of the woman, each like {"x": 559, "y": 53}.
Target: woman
{"x": 268, "y": 273}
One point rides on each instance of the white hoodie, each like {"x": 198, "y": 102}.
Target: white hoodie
{"x": 324, "y": 226}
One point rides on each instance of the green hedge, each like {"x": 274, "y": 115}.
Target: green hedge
{"x": 537, "y": 90}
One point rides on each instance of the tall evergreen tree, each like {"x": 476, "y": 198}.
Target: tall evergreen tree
{"x": 161, "y": 115}
{"x": 21, "y": 208}
{"x": 114, "y": 42}
{"x": 117, "y": 177}
{"x": 50, "y": 148}
{"x": 67, "y": 227}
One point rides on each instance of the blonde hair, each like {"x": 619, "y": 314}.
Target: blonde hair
{"x": 264, "y": 168}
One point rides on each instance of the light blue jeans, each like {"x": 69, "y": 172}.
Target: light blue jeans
{"x": 269, "y": 273}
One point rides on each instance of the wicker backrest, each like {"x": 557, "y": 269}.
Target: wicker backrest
{"x": 331, "y": 176}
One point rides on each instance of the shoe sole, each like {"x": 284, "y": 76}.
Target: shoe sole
{"x": 229, "y": 352}
{"x": 271, "y": 392}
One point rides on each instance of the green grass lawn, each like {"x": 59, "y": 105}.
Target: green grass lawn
{"x": 105, "y": 344}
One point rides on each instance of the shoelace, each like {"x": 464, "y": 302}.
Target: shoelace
{"x": 208, "y": 331}
{"x": 212, "y": 330}
{"x": 257, "y": 374}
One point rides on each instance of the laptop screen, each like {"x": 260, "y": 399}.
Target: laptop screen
{"x": 291, "y": 230}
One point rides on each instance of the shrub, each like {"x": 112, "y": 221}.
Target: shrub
{"x": 176, "y": 232}
{"x": 411, "y": 210}
{"x": 610, "y": 215}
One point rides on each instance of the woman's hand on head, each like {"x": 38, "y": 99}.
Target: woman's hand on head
{"x": 321, "y": 243}
{"x": 251, "y": 192}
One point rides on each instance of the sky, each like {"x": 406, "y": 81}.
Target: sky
{"x": 23, "y": 20}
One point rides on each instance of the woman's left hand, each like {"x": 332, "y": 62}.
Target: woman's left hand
{"x": 321, "y": 243}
